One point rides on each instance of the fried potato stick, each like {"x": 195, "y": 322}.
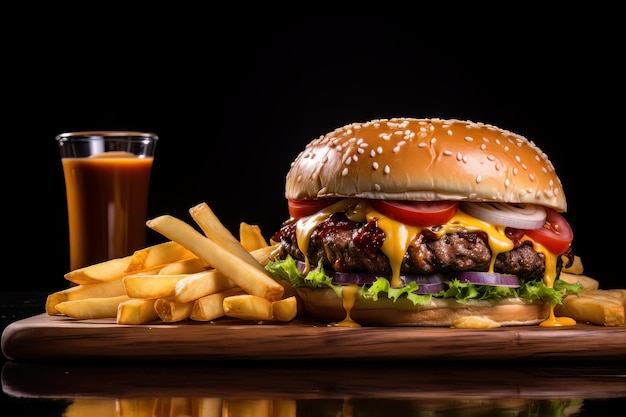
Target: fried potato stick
{"x": 81, "y": 292}
{"x": 285, "y": 309}
{"x": 92, "y": 308}
{"x": 200, "y": 284}
{"x": 253, "y": 279}
{"x": 186, "y": 266}
{"x": 216, "y": 232}
{"x": 101, "y": 272}
{"x": 248, "y": 307}
{"x": 606, "y": 310}
{"x": 170, "y": 311}
{"x": 136, "y": 311}
{"x": 250, "y": 237}
{"x": 151, "y": 286}
{"x": 210, "y": 307}
{"x": 157, "y": 255}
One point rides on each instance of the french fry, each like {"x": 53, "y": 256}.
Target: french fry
{"x": 598, "y": 308}
{"x": 80, "y": 292}
{"x": 285, "y": 309}
{"x": 91, "y": 308}
{"x": 250, "y": 237}
{"x": 200, "y": 284}
{"x": 151, "y": 286}
{"x": 216, "y": 232}
{"x": 157, "y": 255}
{"x": 136, "y": 311}
{"x": 587, "y": 282}
{"x": 185, "y": 266}
{"x": 170, "y": 311}
{"x": 253, "y": 279}
{"x": 210, "y": 307}
{"x": 101, "y": 272}
{"x": 618, "y": 295}
{"x": 263, "y": 255}
{"x": 248, "y": 307}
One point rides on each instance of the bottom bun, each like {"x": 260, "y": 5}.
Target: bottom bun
{"x": 324, "y": 305}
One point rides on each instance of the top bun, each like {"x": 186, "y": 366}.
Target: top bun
{"x": 425, "y": 160}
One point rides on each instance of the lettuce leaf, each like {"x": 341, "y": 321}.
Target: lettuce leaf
{"x": 287, "y": 269}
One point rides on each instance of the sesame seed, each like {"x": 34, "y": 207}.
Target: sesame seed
{"x": 491, "y": 157}
{"x": 447, "y": 152}
{"x": 379, "y": 150}
{"x": 459, "y": 156}
{"x": 450, "y": 132}
{"x": 375, "y": 165}
{"x": 479, "y": 179}
{"x": 344, "y": 172}
{"x": 377, "y": 187}
{"x": 507, "y": 182}
{"x": 469, "y": 138}
{"x": 531, "y": 176}
{"x": 372, "y": 153}
{"x": 387, "y": 169}
{"x": 422, "y": 145}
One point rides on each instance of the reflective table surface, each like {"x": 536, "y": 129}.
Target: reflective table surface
{"x": 313, "y": 388}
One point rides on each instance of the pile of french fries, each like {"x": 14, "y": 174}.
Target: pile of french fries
{"x": 193, "y": 275}
{"x": 603, "y": 307}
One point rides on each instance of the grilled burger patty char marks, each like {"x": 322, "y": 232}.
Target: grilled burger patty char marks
{"x": 345, "y": 245}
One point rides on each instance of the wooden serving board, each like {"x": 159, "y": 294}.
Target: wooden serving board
{"x": 44, "y": 337}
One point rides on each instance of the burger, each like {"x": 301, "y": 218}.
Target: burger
{"x": 425, "y": 222}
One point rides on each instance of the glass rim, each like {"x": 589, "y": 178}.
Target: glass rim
{"x": 86, "y": 134}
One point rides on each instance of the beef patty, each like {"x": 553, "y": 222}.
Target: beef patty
{"x": 344, "y": 245}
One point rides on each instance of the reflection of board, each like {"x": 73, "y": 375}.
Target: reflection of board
{"x": 318, "y": 379}
{"x": 47, "y": 337}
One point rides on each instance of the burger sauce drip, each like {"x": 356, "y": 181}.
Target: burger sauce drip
{"x": 549, "y": 278}
{"x": 398, "y": 237}
{"x": 348, "y": 298}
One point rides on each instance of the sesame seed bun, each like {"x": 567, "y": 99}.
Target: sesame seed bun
{"x": 425, "y": 160}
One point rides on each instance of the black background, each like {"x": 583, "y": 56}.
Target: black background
{"x": 236, "y": 94}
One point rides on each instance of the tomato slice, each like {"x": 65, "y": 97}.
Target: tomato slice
{"x": 417, "y": 213}
{"x": 304, "y": 208}
{"x": 556, "y": 234}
